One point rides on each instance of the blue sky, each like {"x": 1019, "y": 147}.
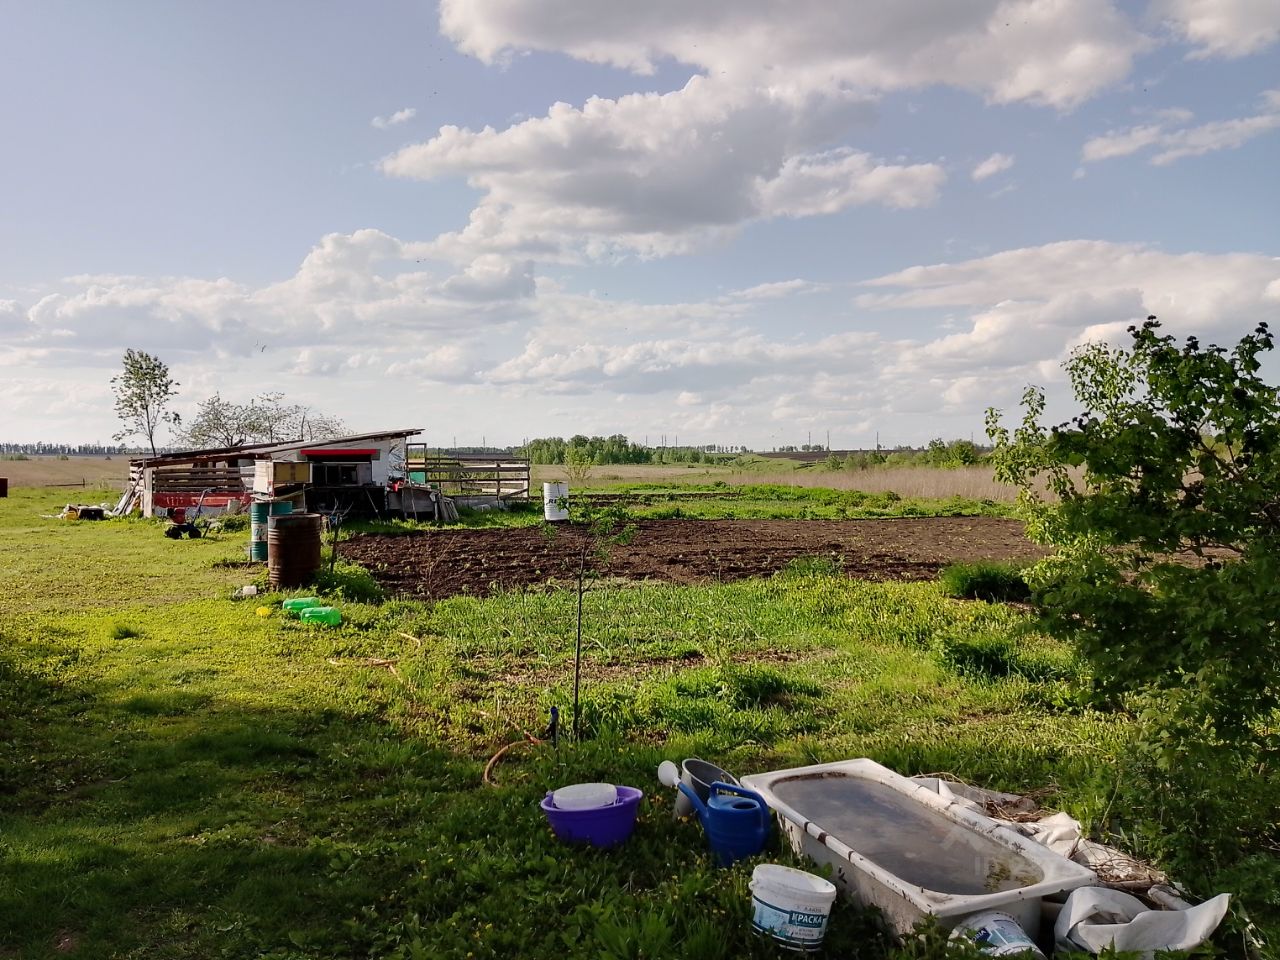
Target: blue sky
{"x": 509, "y": 218}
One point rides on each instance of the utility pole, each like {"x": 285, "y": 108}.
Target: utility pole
{"x": 828, "y": 441}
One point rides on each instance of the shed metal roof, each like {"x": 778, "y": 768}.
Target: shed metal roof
{"x": 262, "y": 450}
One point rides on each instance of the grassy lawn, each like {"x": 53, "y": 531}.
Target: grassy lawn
{"x": 911, "y": 482}
{"x": 181, "y": 777}
{"x": 761, "y": 501}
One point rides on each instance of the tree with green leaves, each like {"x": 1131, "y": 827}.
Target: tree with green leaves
{"x": 143, "y": 391}
{"x": 264, "y": 419}
{"x": 1162, "y": 502}
{"x": 577, "y": 464}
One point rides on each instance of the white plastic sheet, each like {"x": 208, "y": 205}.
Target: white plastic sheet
{"x": 1095, "y": 918}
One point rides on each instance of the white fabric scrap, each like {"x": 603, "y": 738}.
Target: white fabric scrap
{"x": 1095, "y": 918}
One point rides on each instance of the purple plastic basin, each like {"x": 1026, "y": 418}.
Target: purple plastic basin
{"x": 601, "y": 826}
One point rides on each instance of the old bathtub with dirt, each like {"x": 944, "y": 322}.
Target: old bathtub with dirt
{"x": 899, "y": 846}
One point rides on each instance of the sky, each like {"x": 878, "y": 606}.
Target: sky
{"x": 745, "y": 222}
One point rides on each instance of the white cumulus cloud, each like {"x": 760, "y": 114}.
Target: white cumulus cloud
{"x": 659, "y": 174}
{"x": 996, "y": 163}
{"x": 362, "y": 329}
{"x": 1221, "y": 28}
{"x": 397, "y": 118}
{"x": 1041, "y": 51}
{"x": 767, "y": 127}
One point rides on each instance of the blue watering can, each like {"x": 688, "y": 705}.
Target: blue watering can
{"x": 735, "y": 819}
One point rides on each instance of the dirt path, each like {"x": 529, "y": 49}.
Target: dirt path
{"x": 443, "y": 563}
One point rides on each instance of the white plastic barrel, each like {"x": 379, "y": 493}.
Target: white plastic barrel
{"x": 555, "y": 501}
{"x": 790, "y": 906}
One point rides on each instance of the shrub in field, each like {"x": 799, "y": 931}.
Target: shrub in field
{"x": 1175, "y": 457}
{"x": 577, "y": 465}
{"x": 234, "y": 522}
{"x": 984, "y": 580}
{"x": 348, "y": 581}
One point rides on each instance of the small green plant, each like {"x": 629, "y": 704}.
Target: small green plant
{"x": 985, "y": 580}
{"x": 122, "y": 631}
{"x": 601, "y": 527}
{"x": 348, "y": 581}
{"x": 813, "y": 567}
{"x": 234, "y": 522}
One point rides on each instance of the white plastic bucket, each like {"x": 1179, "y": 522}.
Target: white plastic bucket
{"x": 998, "y": 934}
{"x": 790, "y": 906}
{"x": 555, "y": 497}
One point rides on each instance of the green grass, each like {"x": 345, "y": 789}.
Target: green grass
{"x": 712, "y": 501}
{"x": 985, "y": 580}
{"x": 183, "y": 778}
{"x": 720, "y": 501}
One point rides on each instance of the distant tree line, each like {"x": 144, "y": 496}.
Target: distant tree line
{"x": 939, "y": 453}
{"x": 619, "y": 449}
{"x": 41, "y": 449}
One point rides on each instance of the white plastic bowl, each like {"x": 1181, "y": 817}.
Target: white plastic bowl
{"x": 585, "y": 796}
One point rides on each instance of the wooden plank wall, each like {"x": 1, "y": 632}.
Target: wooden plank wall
{"x": 472, "y": 476}
{"x": 197, "y": 479}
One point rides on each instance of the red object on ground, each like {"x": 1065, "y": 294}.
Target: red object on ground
{"x": 178, "y": 514}
{"x": 220, "y": 500}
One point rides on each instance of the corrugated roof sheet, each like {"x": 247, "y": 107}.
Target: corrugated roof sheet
{"x": 256, "y": 450}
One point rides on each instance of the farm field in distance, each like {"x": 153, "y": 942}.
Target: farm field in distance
{"x": 973, "y": 482}
{"x": 181, "y": 777}
{"x": 41, "y": 471}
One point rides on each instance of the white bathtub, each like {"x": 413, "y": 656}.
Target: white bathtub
{"x": 903, "y": 848}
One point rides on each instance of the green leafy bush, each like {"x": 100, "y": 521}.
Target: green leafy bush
{"x": 234, "y": 522}
{"x": 348, "y": 581}
{"x": 1160, "y": 499}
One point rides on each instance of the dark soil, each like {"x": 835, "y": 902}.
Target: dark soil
{"x": 443, "y": 563}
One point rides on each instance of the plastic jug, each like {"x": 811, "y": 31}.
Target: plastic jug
{"x": 736, "y": 820}
{"x": 298, "y": 604}
{"x": 700, "y": 775}
{"x": 329, "y": 616}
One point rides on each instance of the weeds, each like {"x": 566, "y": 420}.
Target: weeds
{"x": 985, "y": 580}
{"x": 347, "y": 581}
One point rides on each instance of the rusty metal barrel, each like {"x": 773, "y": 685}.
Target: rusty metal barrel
{"x": 293, "y": 549}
